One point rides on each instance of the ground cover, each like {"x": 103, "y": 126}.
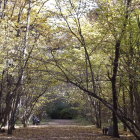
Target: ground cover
{"x": 60, "y": 130}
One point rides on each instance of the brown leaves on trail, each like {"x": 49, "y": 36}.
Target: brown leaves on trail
{"x": 59, "y": 132}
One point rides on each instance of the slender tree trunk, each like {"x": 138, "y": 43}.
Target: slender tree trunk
{"x": 115, "y": 107}
{"x": 137, "y": 102}
{"x": 95, "y": 104}
{"x": 124, "y": 108}
{"x": 12, "y": 118}
{"x": 99, "y": 114}
{"x": 24, "y": 122}
{"x": 131, "y": 98}
{"x": 114, "y": 89}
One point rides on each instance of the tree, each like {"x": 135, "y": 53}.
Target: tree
{"x": 19, "y": 39}
{"x": 83, "y": 73}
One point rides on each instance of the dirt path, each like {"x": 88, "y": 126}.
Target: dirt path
{"x": 57, "y": 122}
{"x": 57, "y": 130}
{"x": 61, "y": 122}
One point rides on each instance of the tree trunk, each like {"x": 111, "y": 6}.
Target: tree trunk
{"x": 124, "y": 108}
{"x": 137, "y": 102}
{"x": 114, "y": 90}
{"x": 98, "y": 114}
{"x": 115, "y": 107}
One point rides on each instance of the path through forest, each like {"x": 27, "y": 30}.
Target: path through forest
{"x": 57, "y": 130}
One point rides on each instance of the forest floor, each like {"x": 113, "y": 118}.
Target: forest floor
{"x": 60, "y": 130}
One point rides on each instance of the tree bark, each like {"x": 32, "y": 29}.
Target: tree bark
{"x": 114, "y": 89}
{"x": 124, "y": 108}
